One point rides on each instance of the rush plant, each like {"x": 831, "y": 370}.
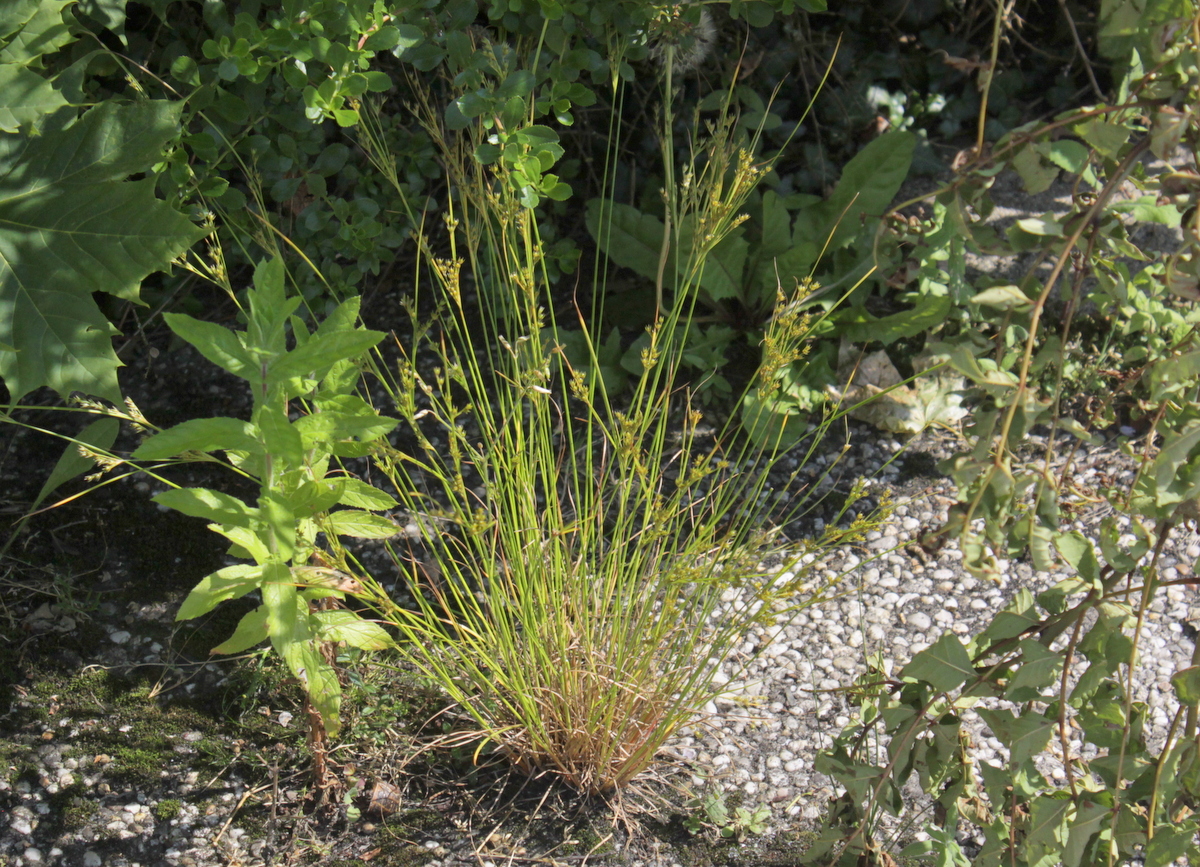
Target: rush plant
{"x": 571, "y": 590}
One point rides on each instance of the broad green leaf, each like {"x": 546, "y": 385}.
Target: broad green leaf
{"x": 25, "y": 97}
{"x": 232, "y": 582}
{"x": 776, "y": 226}
{"x": 212, "y": 505}
{"x": 280, "y": 437}
{"x": 1004, "y": 298}
{"x": 772, "y": 423}
{"x": 217, "y": 343}
{"x": 1025, "y": 736}
{"x": 321, "y": 351}
{"x": 293, "y": 636}
{"x": 1186, "y": 683}
{"x": 43, "y": 33}
{"x": 1066, "y": 154}
{"x": 722, "y": 276}
{"x": 361, "y": 525}
{"x": 251, "y": 630}
{"x": 1078, "y": 551}
{"x": 363, "y": 496}
{"x": 14, "y": 14}
{"x": 626, "y": 235}
{"x": 99, "y": 435}
{"x": 269, "y": 306}
{"x": 342, "y": 625}
{"x": 246, "y": 542}
{"x": 71, "y": 225}
{"x": 868, "y": 184}
{"x": 344, "y": 416}
{"x": 277, "y": 513}
{"x": 1046, "y": 225}
{"x": 1035, "y": 174}
{"x": 1106, "y": 137}
{"x": 1082, "y": 827}
{"x": 1170, "y": 843}
{"x": 200, "y": 435}
{"x": 1039, "y": 668}
{"x": 1018, "y": 616}
{"x": 861, "y": 327}
{"x": 1047, "y": 826}
{"x": 945, "y": 666}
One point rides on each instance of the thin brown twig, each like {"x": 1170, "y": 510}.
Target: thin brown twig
{"x": 1087, "y": 66}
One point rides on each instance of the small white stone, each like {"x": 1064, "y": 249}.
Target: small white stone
{"x": 33, "y": 856}
{"x": 91, "y": 859}
{"x": 919, "y": 620}
{"x": 119, "y": 637}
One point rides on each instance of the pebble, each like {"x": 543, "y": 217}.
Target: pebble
{"x": 919, "y": 621}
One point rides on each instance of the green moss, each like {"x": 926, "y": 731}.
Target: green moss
{"x": 167, "y": 810}
{"x": 71, "y": 808}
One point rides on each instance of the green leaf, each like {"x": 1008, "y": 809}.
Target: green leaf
{"x": 1038, "y": 670}
{"x": 1170, "y": 843}
{"x": 212, "y": 505}
{"x": 232, "y": 582}
{"x": 1035, "y": 174}
{"x": 25, "y": 97}
{"x": 1186, "y": 683}
{"x": 99, "y": 435}
{"x": 1004, "y": 298}
{"x": 1017, "y": 617}
{"x": 1078, "y": 551}
{"x": 294, "y": 638}
{"x": 1106, "y": 137}
{"x": 1067, "y": 154}
{"x": 363, "y": 496}
{"x": 1025, "y": 736}
{"x": 945, "y": 666}
{"x": 246, "y": 542}
{"x": 723, "y": 267}
{"x": 216, "y": 343}
{"x": 861, "y": 327}
{"x": 342, "y": 625}
{"x": 280, "y": 519}
{"x": 1047, "y": 826}
{"x": 251, "y": 630}
{"x": 776, "y": 226}
{"x": 626, "y": 235}
{"x": 361, "y": 525}
{"x": 321, "y": 352}
{"x": 1082, "y": 827}
{"x": 868, "y": 184}
{"x": 342, "y": 417}
{"x": 43, "y": 33}
{"x": 71, "y": 225}
{"x": 200, "y": 435}
{"x": 280, "y": 437}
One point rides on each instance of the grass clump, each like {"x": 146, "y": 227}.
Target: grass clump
{"x": 585, "y": 564}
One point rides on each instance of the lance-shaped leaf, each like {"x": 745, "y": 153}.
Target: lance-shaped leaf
{"x": 71, "y": 225}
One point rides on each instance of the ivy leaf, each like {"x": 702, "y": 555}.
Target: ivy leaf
{"x": 71, "y": 225}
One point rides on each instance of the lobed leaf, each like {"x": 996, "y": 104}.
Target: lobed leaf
{"x": 71, "y": 225}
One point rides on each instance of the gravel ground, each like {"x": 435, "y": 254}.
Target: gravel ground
{"x": 220, "y": 792}
{"x": 777, "y": 711}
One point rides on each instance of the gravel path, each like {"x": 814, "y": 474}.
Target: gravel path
{"x": 64, "y": 801}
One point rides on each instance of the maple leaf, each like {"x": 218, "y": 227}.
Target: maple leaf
{"x": 71, "y": 223}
